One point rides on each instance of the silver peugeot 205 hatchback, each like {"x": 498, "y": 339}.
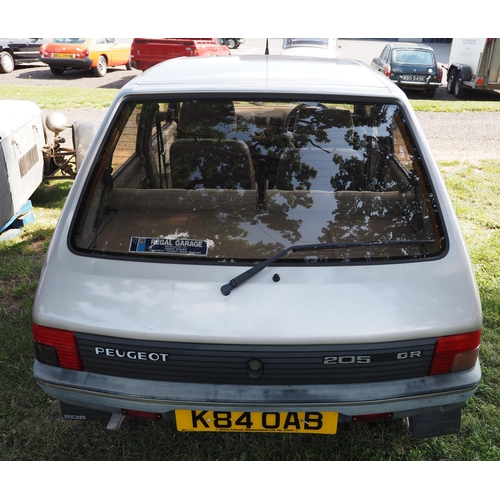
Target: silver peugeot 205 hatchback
{"x": 259, "y": 243}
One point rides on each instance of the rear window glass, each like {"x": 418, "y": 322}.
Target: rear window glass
{"x": 69, "y": 40}
{"x": 318, "y": 42}
{"x": 239, "y": 181}
{"x": 413, "y": 57}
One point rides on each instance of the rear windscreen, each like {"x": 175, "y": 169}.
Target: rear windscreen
{"x": 77, "y": 41}
{"x": 411, "y": 56}
{"x": 239, "y": 181}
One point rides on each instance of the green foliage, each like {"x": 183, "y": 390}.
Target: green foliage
{"x": 51, "y": 97}
{"x": 55, "y": 97}
{"x": 456, "y": 106}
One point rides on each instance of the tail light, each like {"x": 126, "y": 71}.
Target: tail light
{"x": 455, "y": 353}
{"x": 57, "y": 347}
{"x": 440, "y": 73}
{"x": 387, "y": 70}
{"x": 86, "y": 52}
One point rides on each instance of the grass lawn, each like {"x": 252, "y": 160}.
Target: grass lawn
{"x": 51, "y": 97}
{"x": 31, "y": 427}
{"x": 75, "y": 97}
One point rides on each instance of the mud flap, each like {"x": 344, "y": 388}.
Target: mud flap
{"x": 437, "y": 424}
{"x": 72, "y": 412}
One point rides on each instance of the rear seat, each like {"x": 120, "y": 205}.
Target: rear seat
{"x": 327, "y": 184}
{"x": 352, "y": 203}
{"x": 205, "y": 154}
{"x": 333, "y": 216}
{"x": 324, "y": 157}
{"x": 181, "y": 199}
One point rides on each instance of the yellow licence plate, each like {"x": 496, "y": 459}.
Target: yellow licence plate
{"x": 64, "y": 56}
{"x": 237, "y": 421}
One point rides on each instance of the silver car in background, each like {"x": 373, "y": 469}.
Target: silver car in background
{"x": 311, "y": 47}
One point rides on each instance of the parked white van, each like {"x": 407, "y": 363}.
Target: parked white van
{"x": 474, "y": 64}
{"x": 259, "y": 243}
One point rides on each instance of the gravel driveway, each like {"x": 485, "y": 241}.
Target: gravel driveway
{"x": 466, "y": 136}
{"x": 39, "y": 74}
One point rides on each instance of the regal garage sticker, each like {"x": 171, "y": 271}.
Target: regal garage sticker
{"x": 172, "y": 246}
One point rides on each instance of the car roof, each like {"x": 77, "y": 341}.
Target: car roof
{"x": 263, "y": 74}
{"x": 410, "y": 45}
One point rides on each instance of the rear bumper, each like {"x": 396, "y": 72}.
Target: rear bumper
{"x": 484, "y": 86}
{"x": 142, "y": 65}
{"x": 63, "y": 63}
{"x": 112, "y": 394}
{"x": 404, "y": 84}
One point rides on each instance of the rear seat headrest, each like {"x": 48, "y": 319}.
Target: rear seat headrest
{"x": 207, "y": 119}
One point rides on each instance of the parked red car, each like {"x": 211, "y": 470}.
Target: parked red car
{"x": 146, "y": 52}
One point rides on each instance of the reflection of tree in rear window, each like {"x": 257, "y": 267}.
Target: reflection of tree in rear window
{"x": 204, "y": 169}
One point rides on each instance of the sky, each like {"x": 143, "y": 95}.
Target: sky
{"x": 252, "y": 19}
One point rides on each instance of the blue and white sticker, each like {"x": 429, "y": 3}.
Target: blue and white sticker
{"x": 171, "y": 246}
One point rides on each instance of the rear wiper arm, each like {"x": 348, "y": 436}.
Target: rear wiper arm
{"x": 241, "y": 278}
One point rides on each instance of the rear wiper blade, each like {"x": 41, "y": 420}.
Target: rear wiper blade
{"x": 241, "y": 278}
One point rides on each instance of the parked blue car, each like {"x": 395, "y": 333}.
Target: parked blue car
{"x": 411, "y": 66}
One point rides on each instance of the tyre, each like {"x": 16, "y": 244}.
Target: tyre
{"x": 128, "y": 65}
{"x": 231, "y": 43}
{"x": 450, "y": 87}
{"x": 56, "y": 71}
{"x": 102, "y": 67}
{"x": 7, "y": 64}
{"x": 459, "y": 90}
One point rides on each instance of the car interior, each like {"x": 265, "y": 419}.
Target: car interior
{"x": 250, "y": 178}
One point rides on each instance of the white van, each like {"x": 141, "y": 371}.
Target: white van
{"x": 259, "y": 243}
{"x": 21, "y": 160}
{"x": 474, "y": 64}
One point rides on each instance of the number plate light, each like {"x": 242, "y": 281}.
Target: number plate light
{"x": 142, "y": 414}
